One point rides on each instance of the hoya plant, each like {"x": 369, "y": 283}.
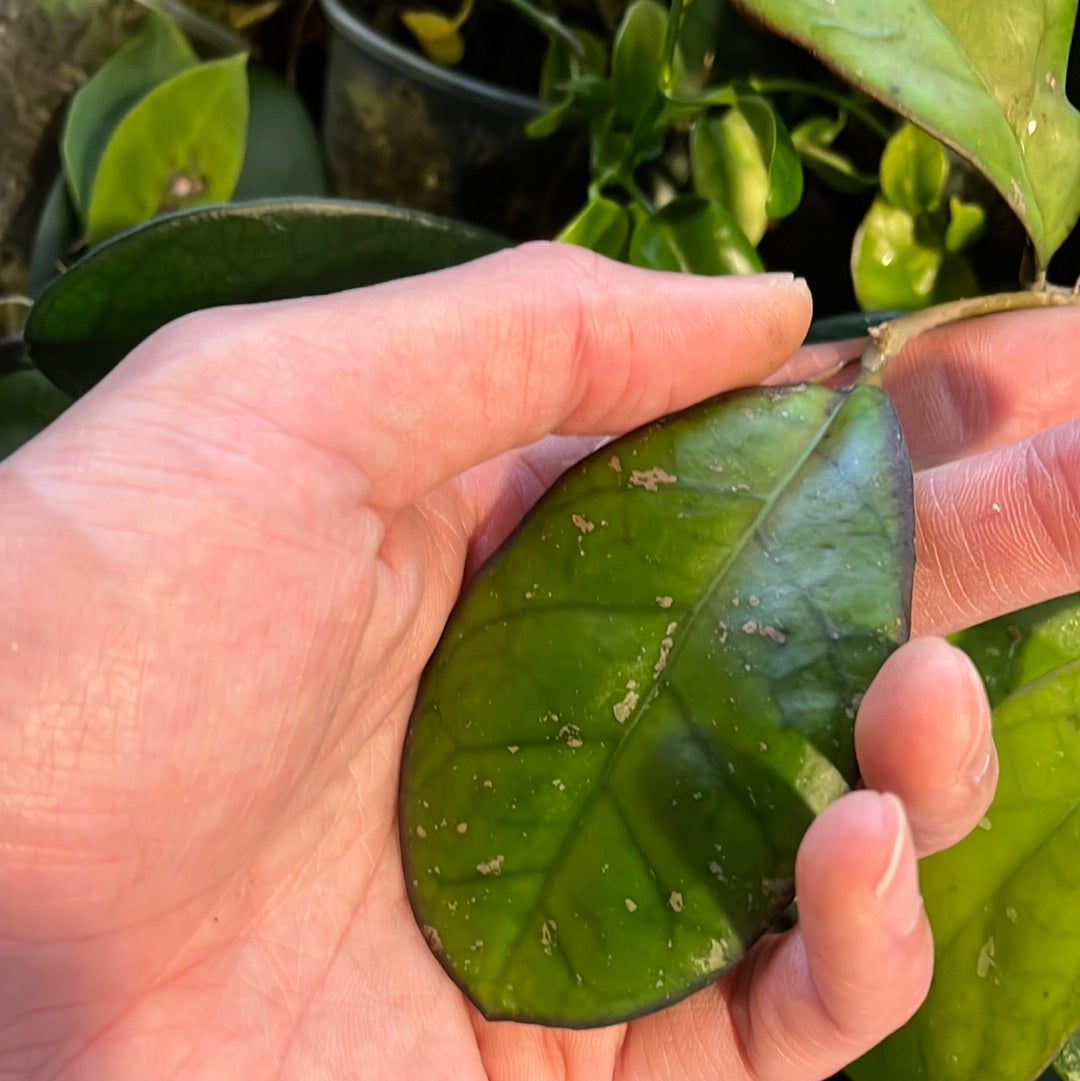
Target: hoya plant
{"x": 593, "y": 832}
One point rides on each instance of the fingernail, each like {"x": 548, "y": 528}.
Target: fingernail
{"x": 980, "y": 757}
{"x": 897, "y": 890}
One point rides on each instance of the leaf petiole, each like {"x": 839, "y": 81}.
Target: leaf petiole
{"x": 888, "y": 339}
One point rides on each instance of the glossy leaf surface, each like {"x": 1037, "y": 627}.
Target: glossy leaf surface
{"x": 637, "y": 58}
{"x": 643, "y": 699}
{"x": 155, "y": 55}
{"x": 694, "y": 236}
{"x": 85, "y": 322}
{"x": 988, "y": 78}
{"x": 182, "y": 145}
{"x": 726, "y": 165}
{"x": 897, "y": 264}
{"x": 913, "y": 170}
{"x": 1006, "y": 992}
{"x": 603, "y": 226}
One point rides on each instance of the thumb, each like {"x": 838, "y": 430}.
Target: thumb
{"x": 416, "y": 380}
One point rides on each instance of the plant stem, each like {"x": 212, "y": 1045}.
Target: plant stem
{"x": 888, "y": 339}
{"x": 550, "y": 25}
{"x": 839, "y": 98}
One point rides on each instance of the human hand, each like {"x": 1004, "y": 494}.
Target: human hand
{"x": 242, "y": 549}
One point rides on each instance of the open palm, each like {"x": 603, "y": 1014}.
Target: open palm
{"x": 223, "y": 573}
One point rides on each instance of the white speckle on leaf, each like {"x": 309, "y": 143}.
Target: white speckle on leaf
{"x": 753, "y": 601}
{"x": 462, "y": 827}
{"x": 717, "y": 871}
{"x": 513, "y": 748}
{"x": 651, "y": 479}
{"x": 582, "y": 523}
{"x": 984, "y": 823}
{"x": 675, "y": 901}
{"x": 1010, "y": 913}
{"x": 421, "y": 832}
{"x": 614, "y": 463}
{"x": 493, "y": 866}
{"x": 623, "y": 709}
{"x": 570, "y": 734}
{"x": 477, "y": 945}
{"x": 631, "y": 905}
{"x": 986, "y": 959}
{"x": 433, "y": 939}
{"x": 547, "y": 935}
{"x": 664, "y": 602}
{"x": 1051, "y": 80}
{"x": 559, "y": 784}
{"x": 488, "y": 783}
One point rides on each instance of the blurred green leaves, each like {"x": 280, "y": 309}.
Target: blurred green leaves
{"x": 906, "y": 252}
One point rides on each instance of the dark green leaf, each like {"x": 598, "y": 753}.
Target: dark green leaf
{"x": 182, "y": 145}
{"x": 702, "y": 24}
{"x": 56, "y": 238}
{"x": 125, "y": 289}
{"x": 282, "y": 154}
{"x": 913, "y": 170}
{"x": 695, "y": 236}
{"x": 643, "y": 699}
{"x": 1005, "y": 993}
{"x": 988, "y": 78}
{"x": 727, "y": 166}
{"x": 637, "y": 58}
{"x": 603, "y": 225}
{"x": 894, "y": 265}
{"x": 28, "y": 403}
{"x": 158, "y": 53}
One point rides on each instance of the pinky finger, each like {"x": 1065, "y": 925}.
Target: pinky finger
{"x": 859, "y": 962}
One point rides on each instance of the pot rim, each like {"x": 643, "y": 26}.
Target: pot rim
{"x": 358, "y": 34}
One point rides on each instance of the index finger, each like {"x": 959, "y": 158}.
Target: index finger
{"x": 416, "y": 380}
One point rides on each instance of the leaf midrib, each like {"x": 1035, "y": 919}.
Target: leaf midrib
{"x": 632, "y": 722}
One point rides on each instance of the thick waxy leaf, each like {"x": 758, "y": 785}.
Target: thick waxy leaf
{"x": 694, "y": 236}
{"x": 914, "y": 166}
{"x": 182, "y": 145}
{"x": 1006, "y": 992}
{"x": 56, "y": 238}
{"x": 282, "y": 154}
{"x": 726, "y": 165}
{"x": 85, "y": 322}
{"x": 988, "y": 78}
{"x": 894, "y": 264}
{"x": 603, "y": 225}
{"x": 158, "y": 53}
{"x": 643, "y": 699}
{"x": 637, "y": 58}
